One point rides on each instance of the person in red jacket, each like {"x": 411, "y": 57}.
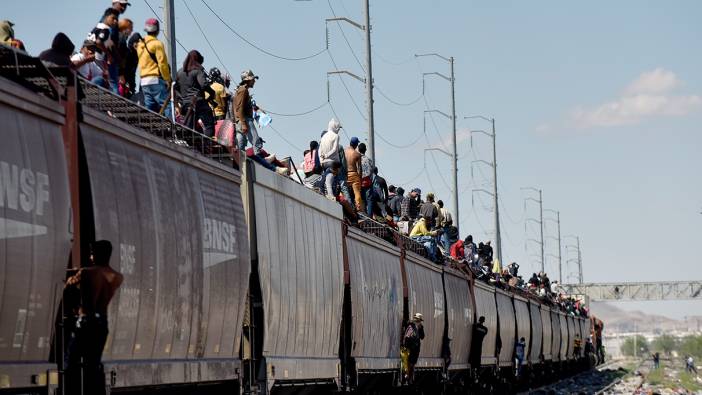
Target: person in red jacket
{"x": 457, "y": 250}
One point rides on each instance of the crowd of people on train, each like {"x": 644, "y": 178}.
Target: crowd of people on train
{"x": 115, "y": 56}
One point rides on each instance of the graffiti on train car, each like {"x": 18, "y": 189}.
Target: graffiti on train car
{"x": 22, "y": 190}
{"x": 128, "y": 295}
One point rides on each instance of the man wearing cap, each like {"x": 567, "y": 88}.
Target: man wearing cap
{"x": 243, "y": 113}
{"x": 412, "y": 340}
{"x": 120, "y": 5}
{"x": 84, "y": 63}
{"x": 353, "y": 171}
{"x": 411, "y": 203}
{"x": 155, "y": 71}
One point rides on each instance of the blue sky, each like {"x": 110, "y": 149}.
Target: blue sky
{"x": 599, "y": 104}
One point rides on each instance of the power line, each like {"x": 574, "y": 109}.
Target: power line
{"x": 300, "y": 113}
{"x": 221, "y": 62}
{"x": 161, "y": 22}
{"x": 346, "y": 39}
{"x": 284, "y": 139}
{"x": 244, "y": 39}
{"x": 384, "y": 60}
{"x": 399, "y": 146}
{"x": 346, "y": 87}
{"x": 422, "y": 171}
{"x": 396, "y": 102}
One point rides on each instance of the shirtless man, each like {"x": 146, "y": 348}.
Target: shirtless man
{"x": 353, "y": 177}
{"x": 98, "y": 284}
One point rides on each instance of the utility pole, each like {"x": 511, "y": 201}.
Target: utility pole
{"x": 579, "y": 258}
{"x": 495, "y": 197}
{"x": 368, "y": 80}
{"x": 369, "y": 83}
{"x": 580, "y": 263}
{"x": 169, "y": 17}
{"x": 454, "y": 156}
{"x": 540, "y": 221}
{"x": 560, "y": 258}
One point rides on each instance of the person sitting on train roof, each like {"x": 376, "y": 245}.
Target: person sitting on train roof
{"x": 267, "y": 160}
{"x": 457, "y": 251}
{"x": 471, "y": 252}
{"x": 84, "y": 63}
{"x": 422, "y": 234}
{"x": 513, "y": 269}
{"x": 7, "y": 36}
{"x": 59, "y": 55}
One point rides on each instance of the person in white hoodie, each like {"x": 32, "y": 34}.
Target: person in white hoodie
{"x": 329, "y": 145}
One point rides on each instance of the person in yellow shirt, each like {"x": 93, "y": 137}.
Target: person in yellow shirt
{"x": 220, "y": 101}
{"x": 422, "y": 234}
{"x": 155, "y": 72}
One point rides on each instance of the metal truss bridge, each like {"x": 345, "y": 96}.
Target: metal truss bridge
{"x": 665, "y": 290}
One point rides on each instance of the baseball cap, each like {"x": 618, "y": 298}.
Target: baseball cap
{"x": 417, "y": 190}
{"x": 125, "y": 2}
{"x": 354, "y": 141}
{"x": 151, "y": 25}
{"x": 248, "y": 75}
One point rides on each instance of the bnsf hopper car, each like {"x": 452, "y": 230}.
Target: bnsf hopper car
{"x": 234, "y": 280}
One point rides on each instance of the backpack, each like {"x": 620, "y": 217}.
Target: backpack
{"x": 411, "y": 337}
{"x": 310, "y": 164}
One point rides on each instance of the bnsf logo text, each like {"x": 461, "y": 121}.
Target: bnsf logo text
{"x": 219, "y": 235}
{"x": 22, "y": 188}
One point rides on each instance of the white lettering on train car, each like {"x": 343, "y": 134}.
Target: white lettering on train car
{"x": 219, "y": 242}
{"x": 128, "y": 293}
{"x": 22, "y": 189}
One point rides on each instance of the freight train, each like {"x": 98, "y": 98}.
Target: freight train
{"x": 234, "y": 280}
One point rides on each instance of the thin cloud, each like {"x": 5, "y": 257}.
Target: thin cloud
{"x": 650, "y": 95}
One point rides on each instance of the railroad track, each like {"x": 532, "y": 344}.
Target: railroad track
{"x": 603, "y": 379}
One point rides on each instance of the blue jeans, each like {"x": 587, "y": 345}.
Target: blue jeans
{"x": 113, "y": 71}
{"x": 154, "y": 97}
{"x": 445, "y": 242}
{"x": 429, "y": 243}
{"x": 251, "y": 136}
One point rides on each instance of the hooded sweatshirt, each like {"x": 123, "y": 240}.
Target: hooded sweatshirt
{"x": 329, "y": 144}
{"x": 60, "y": 52}
{"x": 6, "y": 33}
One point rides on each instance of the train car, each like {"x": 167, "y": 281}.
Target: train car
{"x": 547, "y": 348}
{"x": 177, "y": 224}
{"x": 233, "y": 280}
{"x": 531, "y": 334}
{"x": 537, "y": 330}
{"x": 571, "y": 336}
{"x": 372, "y": 337}
{"x": 485, "y": 306}
{"x": 556, "y": 336}
{"x": 35, "y": 232}
{"x": 507, "y": 327}
{"x": 299, "y": 256}
{"x": 460, "y": 315}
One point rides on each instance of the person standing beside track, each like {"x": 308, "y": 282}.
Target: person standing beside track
{"x": 412, "y": 340}
{"x": 98, "y": 284}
